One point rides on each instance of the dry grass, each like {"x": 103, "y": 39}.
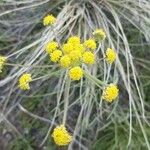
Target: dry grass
{"x": 87, "y": 113}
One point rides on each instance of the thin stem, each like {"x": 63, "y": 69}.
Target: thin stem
{"x": 66, "y": 101}
{"x": 48, "y": 75}
{"x": 96, "y": 81}
{"x": 19, "y": 65}
{"x": 56, "y": 37}
{"x": 33, "y": 115}
{"x": 55, "y": 114}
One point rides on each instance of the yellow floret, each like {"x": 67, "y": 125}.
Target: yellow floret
{"x": 24, "y": 81}
{"x": 110, "y": 55}
{"x": 49, "y": 20}
{"x": 74, "y": 40}
{"x": 61, "y": 136}
{"x": 51, "y": 46}
{"x": 76, "y": 73}
{"x": 90, "y": 44}
{"x": 2, "y": 62}
{"x": 110, "y": 93}
{"x": 67, "y": 48}
{"x": 65, "y": 61}
{"x": 88, "y": 58}
{"x": 99, "y": 34}
{"x": 75, "y": 55}
{"x": 79, "y": 47}
{"x": 55, "y": 55}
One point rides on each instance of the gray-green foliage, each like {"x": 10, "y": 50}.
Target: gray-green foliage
{"x": 126, "y": 24}
{"x": 115, "y": 137}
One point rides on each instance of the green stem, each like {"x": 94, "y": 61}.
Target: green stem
{"x": 96, "y": 81}
{"x": 48, "y": 75}
{"x": 19, "y": 65}
{"x": 57, "y": 40}
{"x": 66, "y": 102}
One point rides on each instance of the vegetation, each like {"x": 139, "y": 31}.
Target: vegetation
{"x": 31, "y": 115}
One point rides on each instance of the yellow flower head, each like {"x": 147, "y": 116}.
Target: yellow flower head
{"x": 90, "y": 44}
{"x": 110, "y": 55}
{"x": 67, "y": 48}
{"x": 74, "y": 40}
{"x": 65, "y": 61}
{"x": 75, "y": 55}
{"x": 49, "y": 20}
{"x": 2, "y": 62}
{"x": 99, "y": 34}
{"x": 51, "y": 46}
{"x": 24, "y": 81}
{"x": 79, "y": 47}
{"x": 110, "y": 93}
{"x": 88, "y": 58}
{"x": 76, "y": 73}
{"x": 55, "y": 55}
{"x": 61, "y": 136}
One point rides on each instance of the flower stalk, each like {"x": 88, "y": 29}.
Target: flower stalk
{"x": 66, "y": 99}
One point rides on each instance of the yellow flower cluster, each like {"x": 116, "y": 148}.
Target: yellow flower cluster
{"x": 2, "y": 62}
{"x": 65, "y": 61}
{"x": 61, "y": 135}
{"x": 99, "y": 34}
{"x": 110, "y": 55}
{"x": 55, "y": 55}
{"x": 72, "y": 54}
{"x": 67, "y": 48}
{"x": 49, "y": 20}
{"x": 51, "y": 46}
{"x": 76, "y": 73}
{"x": 110, "y": 93}
{"x": 91, "y": 44}
{"x": 24, "y": 81}
{"x": 74, "y": 40}
{"x": 88, "y": 58}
